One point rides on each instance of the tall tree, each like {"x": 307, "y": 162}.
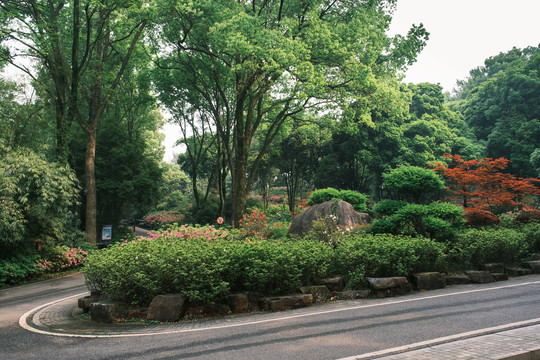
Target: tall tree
{"x": 482, "y": 184}
{"x": 254, "y": 65}
{"x": 500, "y": 103}
{"x": 83, "y": 48}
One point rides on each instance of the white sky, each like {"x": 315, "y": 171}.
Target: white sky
{"x": 463, "y": 33}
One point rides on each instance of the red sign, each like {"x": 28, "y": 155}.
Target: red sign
{"x": 220, "y": 220}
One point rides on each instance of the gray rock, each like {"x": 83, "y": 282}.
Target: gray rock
{"x": 388, "y": 287}
{"x": 494, "y": 268}
{"x": 346, "y": 214}
{"x": 136, "y": 312}
{"x": 535, "y": 257}
{"x": 457, "y": 279}
{"x": 242, "y": 302}
{"x": 334, "y": 284}
{"x": 388, "y": 282}
{"x": 208, "y": 310}
{"x": 285, "y": 302}
{"x": 518, "y": 271}
{"x": 106, "y": 311}
{"x": 535, "y": 266}
{"x": 85, "y": 302}
{"x": 499, "y": 276}
{"x": 169, "y": 307}
{"x": 480, "y": 277}
{"x": 429, "y": 280}
{"x": 320, "y": 292}
{"x": 352, "y": 294}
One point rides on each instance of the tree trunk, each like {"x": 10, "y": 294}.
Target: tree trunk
{"x": 91, "y": 197}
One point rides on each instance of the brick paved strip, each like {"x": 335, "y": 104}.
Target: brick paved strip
{"x": 515, "y": 344}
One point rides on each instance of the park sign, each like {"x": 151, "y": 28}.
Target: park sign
{"x": 106, "y": 232}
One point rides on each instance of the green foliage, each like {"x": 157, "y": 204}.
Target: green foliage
{"x": 204, "y": 270}
{"x": 499, "y": 102}
{"x": 137, "y": 271}
{"x": 323, "y": 195}
{"x": 15, "y": 269}
{"x": 365, "y": 256}
{"x": 413, "y": 182}
{"x": 437, "y": 220}
{"x": 277, "y": 267}
{"x": 37, "y": 201}
{"x": 532, "y": 235}
{"x": 206, "y": 213}
{"x": 475, "y": 247}
{"x": 446, "y": 211}
{"x": 356, "y": 199}
{"x": 388, "y": 207}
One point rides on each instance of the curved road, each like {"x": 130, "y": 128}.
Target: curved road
{"x": 329, "y": 331}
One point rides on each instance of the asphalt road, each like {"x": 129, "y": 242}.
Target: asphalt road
{"x": 330, "y": 331}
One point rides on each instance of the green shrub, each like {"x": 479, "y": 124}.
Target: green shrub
{"x": 446, "y": 211}
{"x": 356, "y": 199}
{"x": 385, "y": 255}
{"x": 388, "y": 207}
{"x": 203, "y": 266}
{"x": 322, "y": 195}
{"x": 475, "y": 247}
{"x": 275, "y": 267}
{"x": 137, "y": 271}
{"x": 413, "y": 182}
{"x": 206, "y": 214}
{"x": 532, "y": 236}
{"x": 37, "y": 200}
{"x": 15, "y": 269}
{"x": 383, "y": 226}
{"x": 437, "y": 220}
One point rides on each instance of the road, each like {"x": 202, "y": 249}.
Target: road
{"x": 329, "y": 331}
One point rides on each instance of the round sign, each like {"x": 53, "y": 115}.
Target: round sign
{"x": 220, "y": 220}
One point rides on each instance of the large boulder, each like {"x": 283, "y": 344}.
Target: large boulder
{"x": 106, "y": 311}
{"x": 285, "y": 302}
{"x": 344, "y": 211}
{"x": 167, "y": 307}
{"x": 429, "y": 280}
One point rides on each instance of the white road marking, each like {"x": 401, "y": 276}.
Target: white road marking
{"x": 23, "y": 319}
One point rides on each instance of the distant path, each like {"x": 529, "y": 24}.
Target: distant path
{"x": 138, "y": 231}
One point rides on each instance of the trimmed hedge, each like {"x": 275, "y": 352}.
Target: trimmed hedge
{"x": 207, "y": 264}
{"x": 475, "y": 247}
{"x": 385, "y": 255}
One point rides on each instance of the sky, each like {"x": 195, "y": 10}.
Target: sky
{"x": 463, "y": 33}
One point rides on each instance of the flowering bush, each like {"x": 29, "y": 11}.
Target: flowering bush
{"x": 326, "y": 229}
{"x": 60, "y": 258}
{"x": 254, "y": 224}
{"x": 204, "y": 233}
{"x": 160, "y": 219}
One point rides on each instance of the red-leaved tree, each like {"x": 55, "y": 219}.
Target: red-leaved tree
{"x": 481, "y": 184}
